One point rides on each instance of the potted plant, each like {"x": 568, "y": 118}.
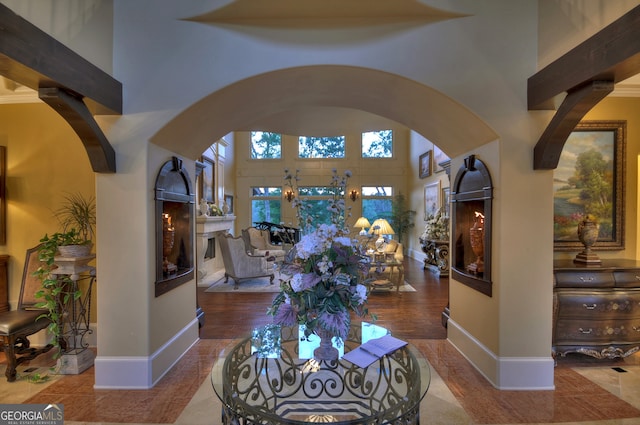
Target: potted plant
{"x": 56, "y": 290}
{"x": 401, "y": 216}
{"x": 76, "y": 213}
{"x": 77, "y": 218}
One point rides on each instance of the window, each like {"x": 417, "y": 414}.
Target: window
{"x": 317, "y": 200}
{"x": 266, "y": 204}
{"x": 321, "y": 147}
{"x": 377, "y": 144}
{"x": 377, "y": 202}
{"x": 265, "y": 145}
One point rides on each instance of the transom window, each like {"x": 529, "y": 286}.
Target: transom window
{"x": 266, "y": 145}
{"x": 377, "y": 144}
{"x": 321, "y": 147}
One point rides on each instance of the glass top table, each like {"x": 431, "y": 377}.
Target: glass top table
{"x": 271, "y": 377}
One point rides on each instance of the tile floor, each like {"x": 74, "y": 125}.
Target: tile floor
{"x": 588, "y": 392}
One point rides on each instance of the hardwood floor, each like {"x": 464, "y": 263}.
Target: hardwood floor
{"x": 409, "y": 315}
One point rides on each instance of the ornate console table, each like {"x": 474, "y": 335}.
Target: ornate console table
{"x": 437, "y": 259}
{"x": 596, "y": 309}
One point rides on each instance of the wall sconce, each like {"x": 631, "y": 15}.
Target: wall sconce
{"x": 353, "y": 195}
{"x": 289, "y": 195}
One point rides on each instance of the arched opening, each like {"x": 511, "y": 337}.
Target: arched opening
{"x": 266, "y": 98}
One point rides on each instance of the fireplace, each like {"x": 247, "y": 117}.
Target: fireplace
{"x": 174, "y": 227}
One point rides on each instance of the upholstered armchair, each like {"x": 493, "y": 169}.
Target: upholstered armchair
{"x": 239, "y": 264}
{"x": 258, "y": 243}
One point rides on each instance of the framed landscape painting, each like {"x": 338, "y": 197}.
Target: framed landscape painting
{"x": 589, "y": 179}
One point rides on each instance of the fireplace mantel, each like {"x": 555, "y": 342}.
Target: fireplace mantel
{"x": 209, "y": 227}
{"x": 207, "y": 224}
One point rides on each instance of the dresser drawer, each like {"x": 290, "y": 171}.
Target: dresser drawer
{"x": 598, "y": 305}
{"x": 584, "y": 279}
{"x": 627, "y": 279}
{"x": 584, "y": 331}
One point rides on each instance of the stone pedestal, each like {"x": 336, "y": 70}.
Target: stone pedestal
{"x": 75, "y": 362}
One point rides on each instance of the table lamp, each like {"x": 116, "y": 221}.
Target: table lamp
{"x": 362, "y": 222}
{"x": 381, "y": 227}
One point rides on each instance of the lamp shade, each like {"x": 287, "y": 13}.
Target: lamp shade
{"x": 381, "y": 227}
{"x": 362, "y": 223}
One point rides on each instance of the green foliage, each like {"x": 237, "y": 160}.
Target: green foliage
{"x": 380, "y": 146}
{"x": 79, "y": 213}
{"x": 321, "y": 147}
{"x": 401, "y": 216}
{"x": 266, "y": 145}
{"x": 56, "y": 290}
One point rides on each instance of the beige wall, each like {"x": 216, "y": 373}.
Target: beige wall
{"x": 45, "y": 161}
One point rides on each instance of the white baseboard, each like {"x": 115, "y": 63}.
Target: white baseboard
{"x": 504, "y": 373}
{"x": 141, "y": 372}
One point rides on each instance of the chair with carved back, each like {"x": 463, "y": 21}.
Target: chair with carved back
{"x": 240, "y": 264}
{"x": 17, "y": 325}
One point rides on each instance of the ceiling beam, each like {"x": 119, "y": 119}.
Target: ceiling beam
{"x": 587, "y": 73}
{"x": 576, "y": 104}
{"x": 33, "y": 58}
{"x": 75, "y": 112}
{"x": 67, "y": 82}
{"x": 613, "y": 54}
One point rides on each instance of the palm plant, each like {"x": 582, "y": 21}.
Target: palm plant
{"x": 78, "y": 213}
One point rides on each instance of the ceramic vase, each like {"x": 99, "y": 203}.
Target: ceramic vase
{"x": 326, "y": 351}
{"x": 588, "y": 230}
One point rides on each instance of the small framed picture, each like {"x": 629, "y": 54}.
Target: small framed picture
{"x": 229, "y": 201}
{"x": 424, "y": 165}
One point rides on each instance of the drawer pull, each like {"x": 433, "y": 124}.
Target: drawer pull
{"x": 637, "y": 329}
{"x": 582, "y": 331}
{"x": 587, "y": 279}
{"x": 590, "y": 306}
{"x": 637, "y": 277}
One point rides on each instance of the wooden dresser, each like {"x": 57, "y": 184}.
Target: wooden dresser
{"x": 596, "y": 309}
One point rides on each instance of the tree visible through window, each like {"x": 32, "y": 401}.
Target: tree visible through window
{"x": 377, "y": 202}
{"x": 265, "y": 145}
{"x": 266, "y": 204}
{"x": 321, "y": 147}
{"x": 377, "y": 144}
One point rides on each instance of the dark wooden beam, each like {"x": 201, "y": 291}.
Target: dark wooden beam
{"x": 612, "y": 54}
{"x": 588, "y": 74}
{"x": 75, "y": 112}
{"x": 576, "y": 104}
{"x": 34, "y": 59}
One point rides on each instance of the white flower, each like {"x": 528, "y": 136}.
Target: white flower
{"x": 324, "y": 265}
{"x": 343, "y": 240}
{"x": 361, "y": 291}
{"x": 296, "y": 282}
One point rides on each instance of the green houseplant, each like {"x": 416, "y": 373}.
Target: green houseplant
{"x": 401, "y": 216}
{"x": 77, "y": 218}
{"x": 76, "y": 213}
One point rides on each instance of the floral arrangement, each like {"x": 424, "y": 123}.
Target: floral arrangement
{"x": 437, "y": 226}
{"x": 326, "y": 270}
